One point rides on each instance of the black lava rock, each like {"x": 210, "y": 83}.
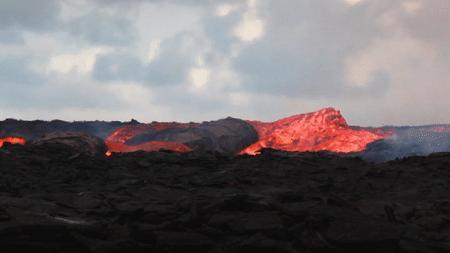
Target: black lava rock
{"x": 52, "y": 201}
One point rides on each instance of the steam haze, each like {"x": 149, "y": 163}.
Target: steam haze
{"x": 381, "y": 62}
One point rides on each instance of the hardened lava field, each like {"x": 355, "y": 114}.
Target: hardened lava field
{"x": 54, "y": 198}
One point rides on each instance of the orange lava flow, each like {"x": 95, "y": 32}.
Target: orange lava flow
{"x": 12, "y": 140}
{"x": 116, "y": 142}
{"x": 324, "y": 130}
{"x": 441, "y": 129}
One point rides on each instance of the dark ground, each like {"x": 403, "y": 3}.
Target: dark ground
{"x": 276, "y": 202}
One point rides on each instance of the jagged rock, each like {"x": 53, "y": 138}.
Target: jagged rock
{"x": 169, "y": 202}
{"x": 261, "y": 244}
{"x": 262, "y": 221}
{"x": 363, "y": 232}
{"x": 183, "y": 242}
{"x": 76, "y": 143}
{"x": 225, "y": 136}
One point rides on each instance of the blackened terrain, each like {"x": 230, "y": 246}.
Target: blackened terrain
{"x": 61, "y": 200}
{"x": 31, "y": 130}
{"x": 225, "y": 136}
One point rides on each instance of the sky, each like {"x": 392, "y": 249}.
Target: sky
{"x": 381, "y": 62}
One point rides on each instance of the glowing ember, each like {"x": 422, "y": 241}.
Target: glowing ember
{"x": 12, "y": 140}
{"x": 318, "y": 131}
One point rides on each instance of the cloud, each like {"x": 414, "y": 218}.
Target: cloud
{"x": 82, "y": 62}
{"x": 251, "y": 26}
{"x": 427, "y": 20}
{"x": 302, "y": 52}
{"x": 412, "y": 7}
{"x": 199, "y": 77}
{"x": 9, "y": 36}
{"x": 14, "y": 72}
{"x": 175, "y": 58}
{"x": 353, "y": 2}
{"x": 153, "y": 50}
{"x": 225, "y": 9}
{"x": 32, "y": 15}
{"x": 101, "y": 28}
{"x": 381, "y": 62}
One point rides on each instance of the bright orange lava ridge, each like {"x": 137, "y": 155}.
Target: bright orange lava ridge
{"x": 324, "y": 130}
{"x": 12, "y": 140}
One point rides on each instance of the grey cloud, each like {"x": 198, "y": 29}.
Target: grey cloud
{"x": 435, "y": 12}
{"x": 33, "y": 15}
{"x": 17, "y": 82}
{"x": 170, "y": 67}
{"x": 56, "y": 94}
{"x": 44, "y": 16}
{"x": 118, "y": 67}
{"x": 10, "y": 36}
{"x": 185, "y": 103}
{"x": 15, "y": 71}
{"x": 24, "y": 88}
{"x": 303, "y": 48}
{"x": 300, "y": 58}
{"x": 377, "y": 87}
{"x": 194, "y": 2}
{"x": 100, "y": 28}
{"x": 218, "y": 30}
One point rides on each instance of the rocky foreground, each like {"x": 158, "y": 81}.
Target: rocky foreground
{"x": 54, "y": 199}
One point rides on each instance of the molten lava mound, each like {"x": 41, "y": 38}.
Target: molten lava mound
{"x": 324, "y": 130}
{"x": 12, "y": 140}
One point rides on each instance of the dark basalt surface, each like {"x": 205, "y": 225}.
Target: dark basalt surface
{"x": 276, "y": 202}
{"x": 225, "y": 136}
{"x": 35, "y": 129}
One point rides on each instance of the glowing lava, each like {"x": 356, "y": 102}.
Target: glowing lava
{"x": 12, "y": 140}
{"x": 116, "y": 142}
{"x": 324, "y": 130}
{"x": 441, "y": 129}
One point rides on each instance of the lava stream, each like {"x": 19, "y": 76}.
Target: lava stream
{"x": 441, "y": 129}
{"x": 116, "y": 142}
{"x": 12, "y": 140}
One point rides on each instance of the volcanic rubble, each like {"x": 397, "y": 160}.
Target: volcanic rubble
{"x": 56, "y": 196}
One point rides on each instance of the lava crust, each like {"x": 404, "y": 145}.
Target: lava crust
{"x": 323, "y": 130}
{"x": 205, "y": 202}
